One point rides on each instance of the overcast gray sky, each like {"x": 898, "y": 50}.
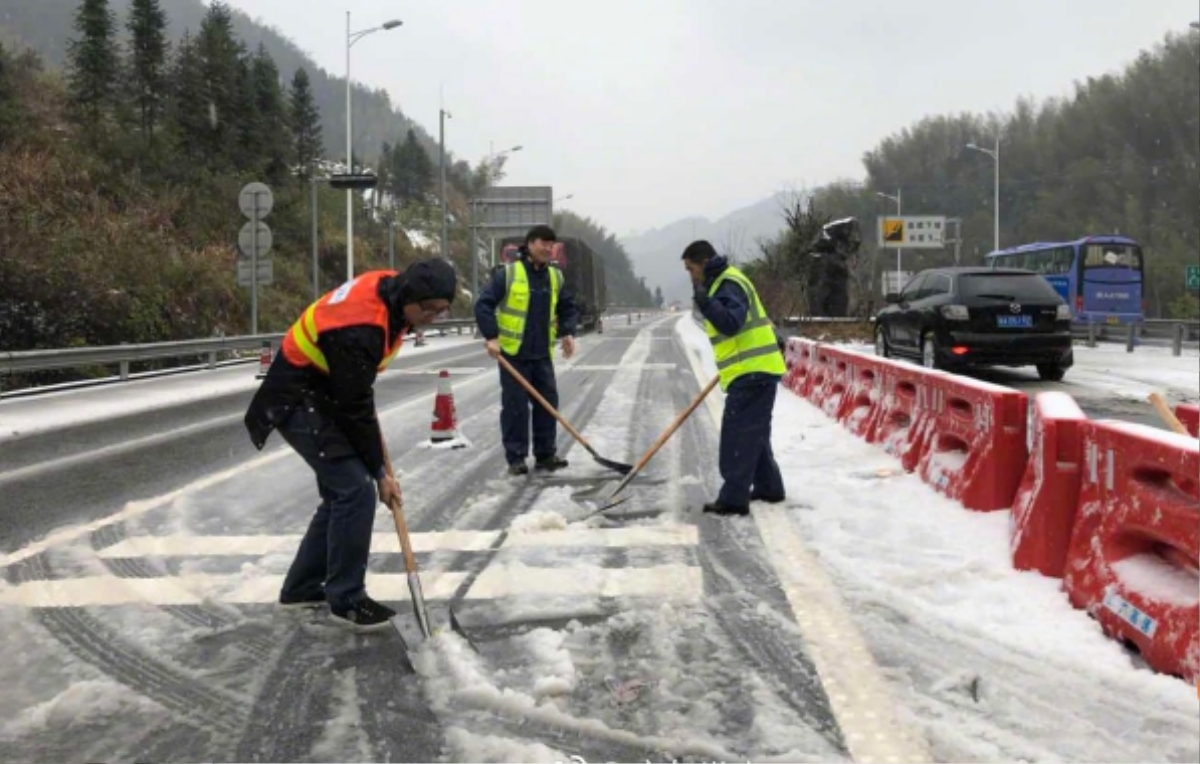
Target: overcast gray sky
{"x": 653, "y": 110}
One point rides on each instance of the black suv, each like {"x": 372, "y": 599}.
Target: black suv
{"x": 955, "y": 317}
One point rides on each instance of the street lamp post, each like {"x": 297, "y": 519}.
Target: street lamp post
{"x": 351, "y": 38}
{"x": 995, "y": 155}
{"x": 899, "y": 250}
{"x": 443, "y": 115}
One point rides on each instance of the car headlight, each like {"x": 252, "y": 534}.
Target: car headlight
{"x": 1062, "y": 313}
{"x": 955, "y": 312}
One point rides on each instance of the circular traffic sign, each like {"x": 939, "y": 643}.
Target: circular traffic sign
{"x": 256, "y": 200}
{"x": 247, "y": 243}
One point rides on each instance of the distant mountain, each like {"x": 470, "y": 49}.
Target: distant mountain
{"x": 46, "y": 27}
{"x": 655, "y": 253}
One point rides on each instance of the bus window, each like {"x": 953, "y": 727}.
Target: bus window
{"x": 1122, "y": 256}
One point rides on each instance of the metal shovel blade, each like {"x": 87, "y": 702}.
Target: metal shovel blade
{"x": 620, "y": 467}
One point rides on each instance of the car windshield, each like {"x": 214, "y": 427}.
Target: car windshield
{"x": 1011, "y": 287}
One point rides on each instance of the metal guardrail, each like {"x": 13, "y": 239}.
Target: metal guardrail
{"x": 124, "y": 355}
{"x": 1161, "y": 332}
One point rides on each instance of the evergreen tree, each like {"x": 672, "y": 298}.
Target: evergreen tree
{"x": 272, "y": 116}
{"x": 147, "y": 61}
{"x": 92, "y": 65}
{"x": 188, "y": 112}
{"x": 10, "y": 105}
{"x": 658, "y": 297}
{"x": 223, "y": 73}
{"x": 411, "y": 170}
{"x": 305, "y": 122}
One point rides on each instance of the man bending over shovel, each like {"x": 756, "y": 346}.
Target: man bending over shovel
{"x": 319, "y": 394}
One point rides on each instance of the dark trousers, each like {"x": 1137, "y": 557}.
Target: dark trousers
{"x": 747, "y": 462}
{"x": 332, "y": 558}
{"x": 515, "y": 406}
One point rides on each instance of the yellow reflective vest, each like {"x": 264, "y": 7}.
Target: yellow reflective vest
{"x": 754, "y": 348}
{"x": 511, "y": 314}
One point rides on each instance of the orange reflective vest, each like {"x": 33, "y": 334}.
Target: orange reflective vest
{"x": 355, "y": 303}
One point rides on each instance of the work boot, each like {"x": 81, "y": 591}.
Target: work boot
{"x": 518, "y": 468}
{"x": 364, "y": 615}
{"x": 768, "y": 498}
{"x": 720, "y": 508}
{"x": 292, "y": 602}
{"x": 551, "y": 463}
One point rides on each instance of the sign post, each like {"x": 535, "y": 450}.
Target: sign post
{"x": 254, "y": 240}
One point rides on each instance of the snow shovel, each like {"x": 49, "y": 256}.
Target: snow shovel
{"x": 612, "y": 501}
{"x": 1167, "y": 415}
{"x": 610, "y": 464}
{"x": 425, "y": 627}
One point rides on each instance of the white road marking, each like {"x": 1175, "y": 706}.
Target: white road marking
{"x": 858, "y": 697}
{"x": 673, "y": 582}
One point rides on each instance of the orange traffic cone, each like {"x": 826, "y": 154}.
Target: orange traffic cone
{"x": 445, "y": 419}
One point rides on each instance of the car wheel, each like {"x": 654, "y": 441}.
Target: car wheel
{"x": 929, "y": 351}
{"x": 1051, "y": 372}
{"x": 881, "y": 343}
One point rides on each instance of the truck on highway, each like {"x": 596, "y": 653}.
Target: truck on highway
{"x": 583, "y": 274}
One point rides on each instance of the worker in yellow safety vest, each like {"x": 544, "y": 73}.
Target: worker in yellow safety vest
{"x": 750, "y": 365}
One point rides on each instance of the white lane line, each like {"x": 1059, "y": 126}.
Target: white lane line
{"x": 95, "y": 591}
{"x": 387, "y": 543}
{"x": 858, "y": 697}
{"x": 650, "y": 535}
{"x": 673, "y": 582}
{"x": 137, "y": 508}
{"x": 616, "y": 367}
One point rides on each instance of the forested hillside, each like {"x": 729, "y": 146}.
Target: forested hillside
{"x": 1118, "y": 156}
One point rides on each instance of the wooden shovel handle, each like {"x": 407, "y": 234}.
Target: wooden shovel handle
{"x": 394, "y": 504}
{"x": 679, "y": 420}
{"x": 1167, "y": 415}
{"x": 545, "y": 403}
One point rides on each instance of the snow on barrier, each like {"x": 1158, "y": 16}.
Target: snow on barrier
{"x": 864, "y": 391}
{"x": 799, "y": 356}
{"x": 839, "y": 370}
{"x": 1043, "y": 512}
{"x": 1189, "y": 416}
{"x": 976, "y": 449}
{"x": 902, "y": 412}
{"x": 821, "y": 376}
{"x": 1135, "y": 549}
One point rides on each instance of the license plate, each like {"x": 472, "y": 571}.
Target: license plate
{"x": 1112, "y": 320}
{"x": 1014, "y": 322}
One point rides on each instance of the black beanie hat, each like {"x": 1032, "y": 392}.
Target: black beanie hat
{"x": 432, "y": 279}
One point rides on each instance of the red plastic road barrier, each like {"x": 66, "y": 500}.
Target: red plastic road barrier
{"x": 818, "y": 369}
{"x": 1043, "y": 512}
{"x": 1189, "y": 416}
{"x": 902, "y": 412}
{"x": 839, "y": 371}
{"x": 864, "y": 391}
{"x": 1135, "y": 550}
{"x": 800, "y": 354}
{"x": 976, "y": 451}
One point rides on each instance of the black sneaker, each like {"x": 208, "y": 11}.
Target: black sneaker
{"x": 720, "y": 508}
{"x": 289, "y": 602}
{"x": 518, "y": 468}
{"x": 551, "y": 463}
{"x": 364, "y": 615}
